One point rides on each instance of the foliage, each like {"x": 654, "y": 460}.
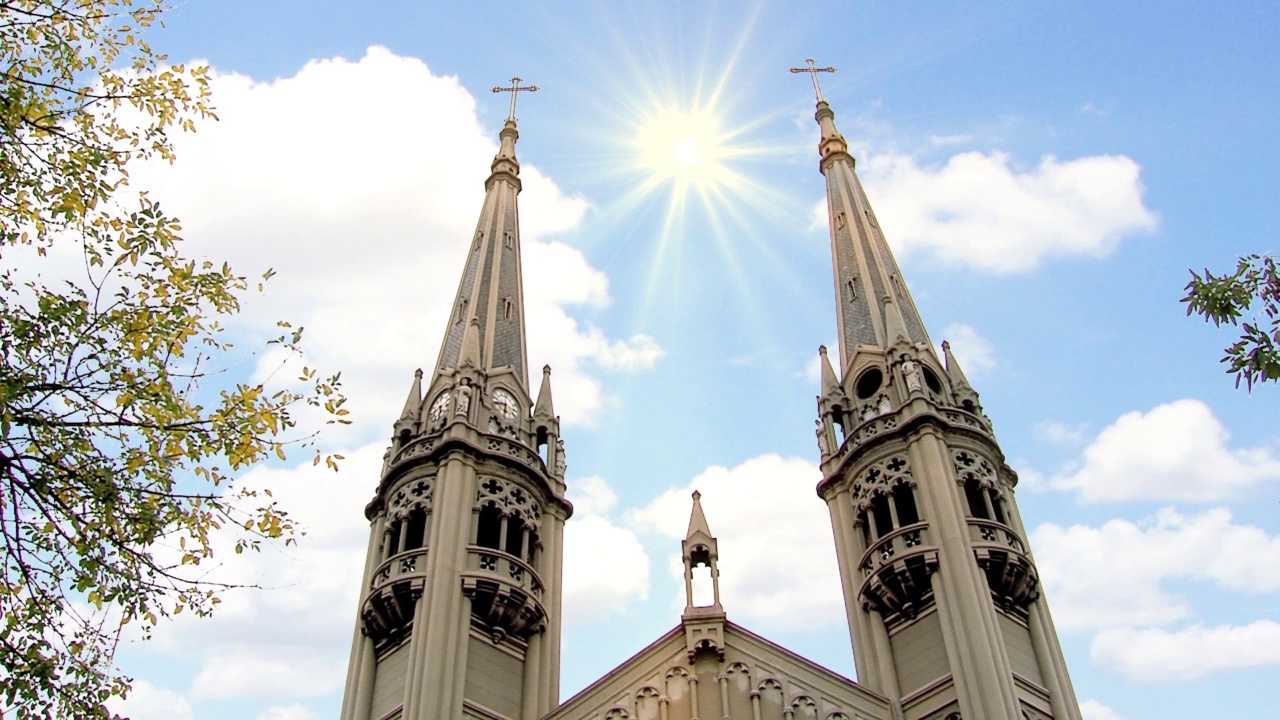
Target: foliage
{"x": 1255, "y": 285}
{"x": 116, "y": 461}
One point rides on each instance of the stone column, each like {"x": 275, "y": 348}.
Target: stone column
{"x": 359, "y": 688}
{"x": 978, "y": 658}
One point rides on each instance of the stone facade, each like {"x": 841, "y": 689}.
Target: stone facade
{"x": 460, "y": 605}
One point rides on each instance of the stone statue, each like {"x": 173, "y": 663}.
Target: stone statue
{"x": 463, "y": 402}
{"x": 911, "y": 373}
{"x": 561, "y": 465}
{"x": 824, "y": 444}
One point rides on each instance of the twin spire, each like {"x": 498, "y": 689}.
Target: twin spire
{"x": 874, "y": 307}
{"x": 486, "y": 329}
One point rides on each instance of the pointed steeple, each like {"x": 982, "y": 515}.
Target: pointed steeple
{"x": 487, "y": 324}
{"x": 829, "y": 382}
{"x": 954, "y": 373}
{"x": 544, "y": 408}
{"x": 873, "y": 305}
{"x": 703, "y": 623}
{"x": 700, "y": 549}
{"x": 413, "y": 403}
{"x": 697, "y": 521}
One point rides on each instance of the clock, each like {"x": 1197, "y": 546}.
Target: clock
{"x": 439, "y": 407}
{"x": 505, "y": 405}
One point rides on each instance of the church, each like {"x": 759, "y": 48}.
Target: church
{"x": 460, "y": 605}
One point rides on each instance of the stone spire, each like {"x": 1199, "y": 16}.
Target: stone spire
{"x": 873, "y": 304}
{"x": 953, "y": 367}
{"x": 461, "y": 594}
{"x": 489, "y": 305}
{"x": 829, "y": 382}
{"x": 698, "y": 529}
{"x": 928, "y": 537}
{"x": 413, "y": 403}
{"x": 964, "y": 393}
{"x": 544, "y": 408}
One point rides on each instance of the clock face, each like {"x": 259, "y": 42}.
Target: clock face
{"x": 505, "y": 405}
{"x": 439, "y": 407}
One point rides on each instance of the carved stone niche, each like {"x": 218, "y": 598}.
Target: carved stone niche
{"x": 705, "y": 636}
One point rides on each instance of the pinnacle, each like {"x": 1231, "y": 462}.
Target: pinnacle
{"x": 413, "y": 403}
{"x": 544, "y": 407}
{"x": 829, "y": 381}
{"x": 697, "y": 520}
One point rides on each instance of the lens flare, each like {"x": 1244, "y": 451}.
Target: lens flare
{"x": 683, "y": 147}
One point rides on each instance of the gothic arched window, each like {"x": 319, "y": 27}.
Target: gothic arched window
{"x": 515, "y": 535}
{"x": 416, "y": 529}
{"x": 904, "y": 501}
{"x": 489, "y": 527}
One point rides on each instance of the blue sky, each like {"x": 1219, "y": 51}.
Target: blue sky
{"x": 1046, "y": 173}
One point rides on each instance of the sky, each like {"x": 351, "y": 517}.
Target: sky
{"x": 1045, "y": 173}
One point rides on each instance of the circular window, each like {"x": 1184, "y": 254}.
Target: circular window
{"x": 869, "y": 383}
{"x": 932, "y": 381}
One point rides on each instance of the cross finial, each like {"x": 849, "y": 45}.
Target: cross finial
{"x": 813, "y": 73}
{"x": 515, "y": 88}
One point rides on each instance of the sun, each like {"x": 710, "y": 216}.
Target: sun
{"x": 682, "y": 146}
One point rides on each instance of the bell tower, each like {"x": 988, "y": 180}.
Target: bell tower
{"x": 942, "y": 594}
{"x": 459, "y": 613}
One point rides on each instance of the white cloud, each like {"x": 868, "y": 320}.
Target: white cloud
{"x": 290, "y": 712}
{"x": 289, "y": 638}
{"x": 1113, "y": 575}
{"x": 980, "y": 211}
{"x": 1193, "y": 652}
{"x": 974, "y": 352}
{"x": 148, "y": 702}
{"x": 764, "y": 581}
{"x": 1094, "y": 710}
{"x": 365, "y": 208}
{"x": 1177, "y": 451}
{"x": 1060, "y": 433}
{"x": 605, "y": 568}
{"x": 591, "y": 496}
{"x": 250, "y": 671}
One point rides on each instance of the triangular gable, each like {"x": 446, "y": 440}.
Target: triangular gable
{"x": 753, "y": 671}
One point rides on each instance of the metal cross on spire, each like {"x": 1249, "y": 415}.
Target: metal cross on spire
{"x": 515, "y": 88}
{"x": 813, "y": 73}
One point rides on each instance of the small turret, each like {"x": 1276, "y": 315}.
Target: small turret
{"x": 543, "y": 409}
{"x": 829, "y": 382}
{"x": 703, "y": 624}
{"x": 546, "y": 430}
{"x": 407, "y": 425}
{"x": 833, "y": 407}
{"x": 966, "y": 397}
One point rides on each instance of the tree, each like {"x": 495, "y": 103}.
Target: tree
{"x": 121, "y": 429}
{"x": 1226, "y": 298}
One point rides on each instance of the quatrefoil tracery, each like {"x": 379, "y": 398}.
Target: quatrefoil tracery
{"x": 511, "y": 499}
{"x": 418, "y": 495}
{"x": 972, "y": 466}
{"x": 880, "y": 479}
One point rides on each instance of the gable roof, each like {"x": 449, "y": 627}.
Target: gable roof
{"x": 751, "y": 664}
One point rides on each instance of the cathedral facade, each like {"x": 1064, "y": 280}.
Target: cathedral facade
{"x": 460, "y": 602}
